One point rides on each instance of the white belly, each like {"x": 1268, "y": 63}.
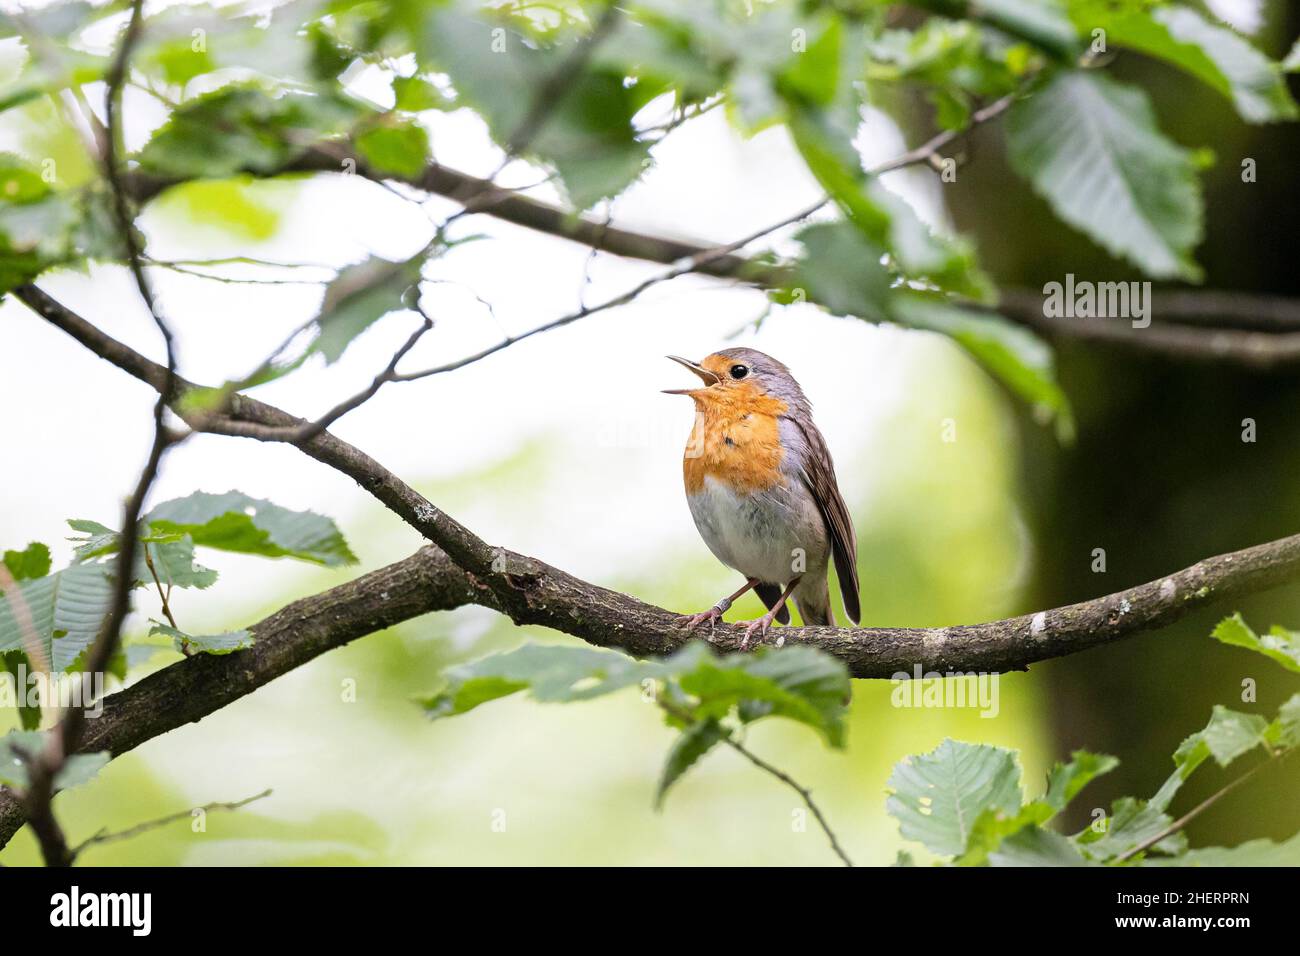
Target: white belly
{"x": 775, "y": 535}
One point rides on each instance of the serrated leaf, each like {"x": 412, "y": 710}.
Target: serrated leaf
{"x": 588, "y": 135}
{"x": 550, "y": 673}
{"x": 1090, "y": 146}
{"x": 1067, "y": 779}
{"x": 66, "y": 611}
{"x": 938, "y": 796}
{"x": 841, "y": 270}
{"x": 244, "y": 129}
{"x": 799, "y": 683}
{"x": 885, "y": 219}
{"x": 1216, "y": 55}
{"x": 77, "y": 768}
{"x": 1228, "y": 735}
{"x": 691, "y": 744}
{"x": 1284, "y": 732}
{"x": 171, "y": 555}
{"x": 997, "y": 832}
{"x": 1278, "y": 644}
{"x": 357, "y": 298}
{"x": 31, "y": 562}
{"x": 1045, "y": 23}
{"x": 237, "y": 522}
{"x": 206, "y": 643}
{"x": 1131, "y": 823}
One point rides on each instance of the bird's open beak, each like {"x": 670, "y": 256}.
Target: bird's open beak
{"x": 709, "y": 378}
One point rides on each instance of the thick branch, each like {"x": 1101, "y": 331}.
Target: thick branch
{"x": 428, "y": 581}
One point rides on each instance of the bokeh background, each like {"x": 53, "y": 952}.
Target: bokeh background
{"x": 564, "y": 448}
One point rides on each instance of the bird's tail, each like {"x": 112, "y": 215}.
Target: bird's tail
{"x": 815, "y": 606}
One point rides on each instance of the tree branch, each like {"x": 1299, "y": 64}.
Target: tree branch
{"x": 428, "y": 581}
{"x": 1216, "y": 315}
{"x": 530, "y": 591}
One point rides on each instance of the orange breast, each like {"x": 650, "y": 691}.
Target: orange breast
{"x": 736, "y": 439}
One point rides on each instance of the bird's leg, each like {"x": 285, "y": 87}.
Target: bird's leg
{"x": 714, "y": 614}
{"x": 763, "y": 623}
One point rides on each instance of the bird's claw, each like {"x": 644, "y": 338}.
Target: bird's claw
{"x": 712, "y": 615}
{"x": 761, "y": 625}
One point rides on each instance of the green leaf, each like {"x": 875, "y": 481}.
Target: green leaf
{"x": 1292, "y": 62}
{"x": 66, "y": 611}
{"x": 841, "y": 270}
{"x": 244, "y": 129}
{"x": 588, "y": 135}
{"x": 29, "y": 708}
{"x": 171, "y": 554}
{"x": 77, "y": 768}
{"x": 1131, "y": 823}
{"x": 1091, "y": 148}
{"x": 360, "y": 296}
{"x": 1284, "y": 732}
{"x": 824, "y": 139}
{"x": 691, "y": 744}
{"x": 98, "y": 540}
{"x": 1045, "y": 23}
{"x": 209, "y": 643}
{"x": 815, "y": 73}
{"x": 1252, "y": 853}
{"x": 401, "y": 149}
{"x": 1011, "y": 353}
{"x": 415, "y": 94}
{"x": 1216, "y": 55}
{"x": 551, "y": 673}
{"x": 1278, "y": 644}
{"x": 1227, "y": 736}
{"x": 236, "y": 522}
{"x": 799, "y": 683}
{"x": 31, "y": 562}
{"x": 998, "y": 836}
{"x": 1034, "y": 846}
{"x": 1067, "y": 779}
{"x": 938, "y": 797}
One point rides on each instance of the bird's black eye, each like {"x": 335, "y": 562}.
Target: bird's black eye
{"x": 739, "y": 371}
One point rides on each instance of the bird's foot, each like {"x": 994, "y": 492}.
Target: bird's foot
{"x": 761, "y": 625}
{"x": 713, "y": 615}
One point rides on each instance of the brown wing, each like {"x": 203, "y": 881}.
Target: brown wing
{"x": 819, "y": 476}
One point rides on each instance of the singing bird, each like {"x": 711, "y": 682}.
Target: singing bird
{"x": 761, "y": 487}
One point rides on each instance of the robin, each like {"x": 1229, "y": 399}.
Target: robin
{"x": 761, "y": 487}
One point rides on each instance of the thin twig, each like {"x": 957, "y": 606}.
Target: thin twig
{"x": 389, "y": 374}
{"x": 803, "y": 792}
{"x": 1197, "y": 810}
{"x": 103, "y": 836}
{"x": 692, "y": 264}
{"x": 44, "y": 770}
{"x": 686, "y": 717}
